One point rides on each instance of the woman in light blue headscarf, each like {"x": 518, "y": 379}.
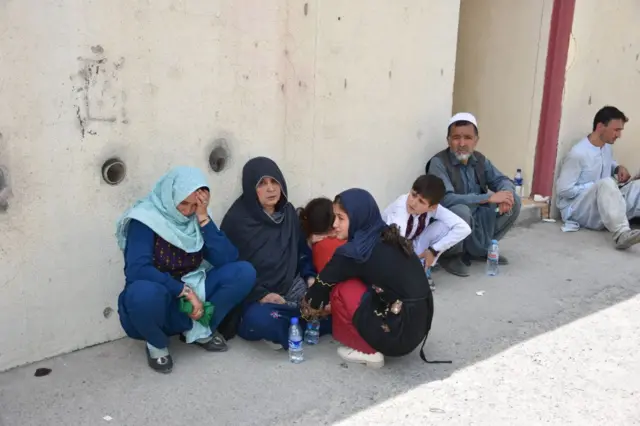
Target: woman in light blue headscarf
{"x": 182, "y": 273}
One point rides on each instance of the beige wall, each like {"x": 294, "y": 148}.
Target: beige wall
{"x": 502, "y": 48}
{"x": 339, "y": 93}
{"x": 603, "y": 68}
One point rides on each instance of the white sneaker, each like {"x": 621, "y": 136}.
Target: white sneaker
{"x": 274, "y": 346}
{"x": 375, "y": 360}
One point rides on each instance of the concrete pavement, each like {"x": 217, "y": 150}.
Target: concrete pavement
{"x": 554, "y": 339}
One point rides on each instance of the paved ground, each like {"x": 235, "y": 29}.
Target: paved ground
{"x": 553, "y": 340}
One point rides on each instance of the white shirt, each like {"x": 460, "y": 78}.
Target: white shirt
{"x": 458, "y": 229}
{"x": 582, "y": 167}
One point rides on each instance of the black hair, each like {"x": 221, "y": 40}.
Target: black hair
{"x": 429, "y": 187}
{"x": 317, "y": 216}
{"x": 461, "y": 123}
{"x": 390, "y": 234}
{"x": 606, "y": 114}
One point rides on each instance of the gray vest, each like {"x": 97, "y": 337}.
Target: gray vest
{"x": 454, "y": 172}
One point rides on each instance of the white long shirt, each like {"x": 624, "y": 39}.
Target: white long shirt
{"x": 582, "y": 167}
{"x": 456, "y": 229}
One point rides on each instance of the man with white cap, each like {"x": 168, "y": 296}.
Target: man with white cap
{"x": 468, "y": 177}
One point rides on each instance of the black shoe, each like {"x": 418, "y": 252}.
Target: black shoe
{"x": 454, "y": 266}
{"x": 215, "y": 344}
{"x": 163, "y": 364}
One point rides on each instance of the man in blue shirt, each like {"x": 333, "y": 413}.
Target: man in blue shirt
{"x": 476, "y": 191}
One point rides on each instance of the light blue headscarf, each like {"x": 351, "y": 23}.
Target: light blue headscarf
{"x": 158, "y": 210}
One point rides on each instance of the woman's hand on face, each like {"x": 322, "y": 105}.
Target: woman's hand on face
{"x": 274, "y": 298}
{"x": 202, "y": 203}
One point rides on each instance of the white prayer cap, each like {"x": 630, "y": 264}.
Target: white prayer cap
{"x": 464, "y": 116}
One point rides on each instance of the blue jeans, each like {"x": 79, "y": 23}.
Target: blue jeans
{"x": 149, "y": 312}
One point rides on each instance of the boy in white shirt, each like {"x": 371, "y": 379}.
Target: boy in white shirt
{"x": 432, "y": 228}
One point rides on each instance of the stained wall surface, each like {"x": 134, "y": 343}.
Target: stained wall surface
{"x": 339, "y": 93}
{"x": 501, "y": 58}
{"x": 603, "y": 68}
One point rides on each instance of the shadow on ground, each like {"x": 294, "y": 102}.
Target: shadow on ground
{"x": 553, "y": 279}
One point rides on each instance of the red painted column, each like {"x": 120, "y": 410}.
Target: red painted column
{"x": 551, "y": 111}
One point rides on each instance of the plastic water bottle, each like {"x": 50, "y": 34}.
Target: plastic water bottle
{"x": 432, "y": 284}
{"x": 493, "y": 256}
{"x": 518, "y": 182}
{"x": 312, "y": 335}
{"x": 296, "y": 353}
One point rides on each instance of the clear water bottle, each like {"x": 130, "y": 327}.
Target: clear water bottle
{"x": 518, "y": 182}
{"x": 432, "y": 284}
{"x": 296, "y": 354}
{"x": 493, "y": 256}
{"x": 312, "y": 335}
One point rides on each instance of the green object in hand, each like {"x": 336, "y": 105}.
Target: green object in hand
{"x": 186, "y": 308}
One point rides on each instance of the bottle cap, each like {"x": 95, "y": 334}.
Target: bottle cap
{"x": 492, "y": 242}
{"x": 518, "y": 170}
{"x": 294, "y": 320}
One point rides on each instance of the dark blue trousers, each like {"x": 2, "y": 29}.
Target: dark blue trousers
{"x": 148, "y": 312}
{"x": 271, "y": 322}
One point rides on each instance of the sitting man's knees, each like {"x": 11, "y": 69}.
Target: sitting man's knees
{"x": 463, "y": 211}
{"x": 607, "y": 183}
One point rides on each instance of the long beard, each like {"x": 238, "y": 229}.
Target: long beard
{"x": 462, "y": 157}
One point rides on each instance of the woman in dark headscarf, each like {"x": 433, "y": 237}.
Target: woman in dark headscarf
{"x": 265, "y": 228}
{"x": 379, "y": 295}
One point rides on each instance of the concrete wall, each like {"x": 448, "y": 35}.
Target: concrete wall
{"x": 339, "y": 93}
{"x": 501, "y": 57}
{"x": 603, "y": 68}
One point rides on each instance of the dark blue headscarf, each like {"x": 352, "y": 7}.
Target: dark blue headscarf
{"x": 270, "y": 245}
{"x": 365, "y": 224}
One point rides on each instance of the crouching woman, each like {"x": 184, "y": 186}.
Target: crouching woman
{"x": 182, "y": 273}
{"x": 374, "y": 283}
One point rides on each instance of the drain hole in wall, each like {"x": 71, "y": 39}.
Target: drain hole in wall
{"x": 218, "y": 158}
{"x": 107, "y": 312}
{"x": 113, "y": 171}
